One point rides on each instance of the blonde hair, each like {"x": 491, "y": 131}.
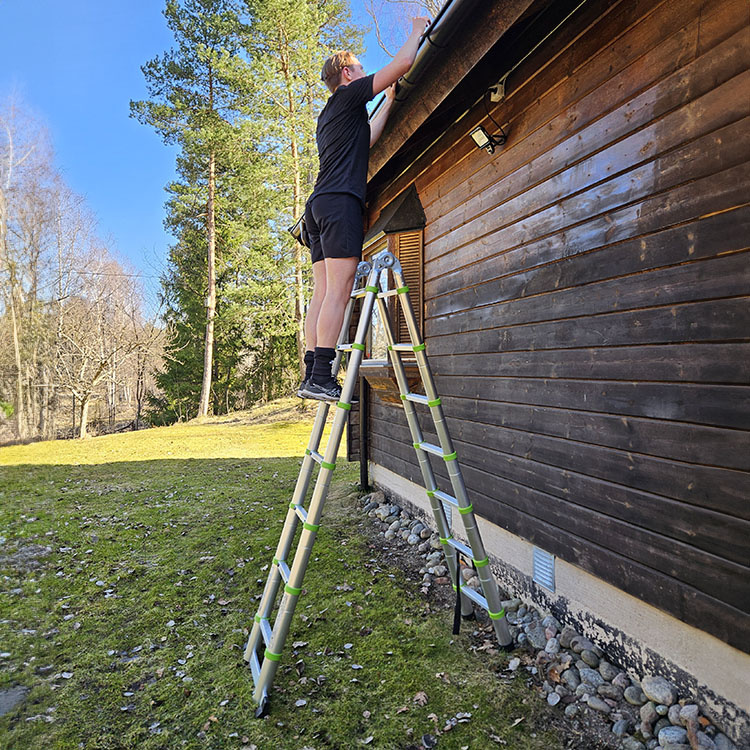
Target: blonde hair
{"x": 333, "y": 66}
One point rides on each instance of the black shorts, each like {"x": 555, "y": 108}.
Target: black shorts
{"x": 335, "y": 226}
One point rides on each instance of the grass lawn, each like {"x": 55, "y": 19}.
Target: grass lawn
{"x": 130, "y": 568}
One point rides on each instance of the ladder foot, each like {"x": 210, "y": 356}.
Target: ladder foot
{"x": 508, "y": 647}
{"x": 470, "y": 616}
{"x": 262, "y": 709}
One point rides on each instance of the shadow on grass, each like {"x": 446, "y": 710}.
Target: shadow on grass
{"x": 127, "y": 591}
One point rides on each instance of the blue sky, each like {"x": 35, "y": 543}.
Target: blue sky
{"x": 76, "y": 65}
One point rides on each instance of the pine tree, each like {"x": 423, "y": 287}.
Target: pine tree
{"x": 196, "y": 89}
{"x": 287, "y": 41}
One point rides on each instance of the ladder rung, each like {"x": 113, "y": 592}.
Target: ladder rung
{"x": 462, "y": 548}
{"x": 283, "y": 570}
{"x": 316, "y": 457}
{"x": 403, "y": 348}
{"x": 266, "y": 631}
{"x": 389, "y": 293}
{"x": 446, "y": 498}
{"x": 359, "y": 293}
{"x": 417, "y": 398}
{"x": 436, "y": 450}
{"x": 255, "y": 667}
{"x": 475, "y": 596}
{"x": 301, "y": 513}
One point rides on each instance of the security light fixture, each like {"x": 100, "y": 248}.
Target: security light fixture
{"x": 486, "y": 141}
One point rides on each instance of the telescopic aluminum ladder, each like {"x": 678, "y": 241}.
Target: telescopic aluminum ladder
{"x": 268, "y": 635}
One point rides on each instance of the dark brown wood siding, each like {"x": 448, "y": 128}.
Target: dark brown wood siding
{"x": 587, "y": 306}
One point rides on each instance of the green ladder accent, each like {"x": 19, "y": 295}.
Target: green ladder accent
{"x": 266, "y": 641}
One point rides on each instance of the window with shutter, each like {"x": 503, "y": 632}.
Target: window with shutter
{"x": 407, "y": 247}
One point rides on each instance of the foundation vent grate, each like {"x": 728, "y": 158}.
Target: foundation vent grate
{"x": 544, "y": 569}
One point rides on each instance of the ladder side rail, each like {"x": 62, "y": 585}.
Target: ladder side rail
{"x": 480, "y": 559}
{"x": 428, "y": 476}
{"x": 301, "y": 487}
{"x": 293, "y": 588}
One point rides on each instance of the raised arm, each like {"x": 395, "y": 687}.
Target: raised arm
{"x": 403, "y": 60}
{"x": 381, "y": 116}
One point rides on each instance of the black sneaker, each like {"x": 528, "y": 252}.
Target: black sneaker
{"x": 301, "y": 388}
{"x": 329, "y": 391}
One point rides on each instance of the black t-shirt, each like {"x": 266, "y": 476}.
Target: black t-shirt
{"x": 343, "y": 137}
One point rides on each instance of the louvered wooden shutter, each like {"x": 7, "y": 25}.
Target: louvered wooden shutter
{"x": 407, "y": 247}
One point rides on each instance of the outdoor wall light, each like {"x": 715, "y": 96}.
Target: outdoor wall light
{"x": 486, "y": 141}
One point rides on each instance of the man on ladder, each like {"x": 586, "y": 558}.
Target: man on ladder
{"x": 334, "y": 211}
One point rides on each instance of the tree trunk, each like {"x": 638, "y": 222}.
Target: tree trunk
{"x": 84, "y": 416}
{"x": 299, "y": 289}
{"x": 20, "y": 411}
{"x": 211, "y": 299}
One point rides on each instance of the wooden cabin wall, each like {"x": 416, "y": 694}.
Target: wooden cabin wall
{"x": 586, "y": 305}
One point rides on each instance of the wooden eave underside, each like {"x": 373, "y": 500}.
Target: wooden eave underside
{"x": 444, "y": 75}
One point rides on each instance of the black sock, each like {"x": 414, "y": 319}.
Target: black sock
{"x": 308, "y": 360}
{"x": 321, "y": 372}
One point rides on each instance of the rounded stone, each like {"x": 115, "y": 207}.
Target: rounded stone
{"x": 566, "y": 635}
{"x": 553, "y": 699}
{"x": 591, "y": 676}
{"x": 622, "y": 680}
{"x": 671, "y": 735}
{"x": 631, "y": 743}
{"x": 590, "y": 658}
{"x": 662, "y": 710}
{"x": 659, "y": 690}
{"x": 610, "y": 691}
{"x": 723, "y": 742}
{"x": 585, "y": 689}
{"x": 536, "y": 635}
{"x": 663, "y": 723}
{"x": 704, "y": 741}
{"x": 553, "y": 646}
{"x": 620, "y": 728}
{"x": 412, "y": 539}
{"x": 571, "y": 710}
{"x": 425, "y": 534}
{"x": 598, "y": 704}
{"x": 579, "y": 643}
{"x": 571, "y": 678}
{"x": 395, "y": 525}
{"x": 390, "y": 535}
{"x": 634, "y": 695}
{"x": 551, "y": 622}
{"x": 648, "y": 713}
{"x": 674, "y": 715}
{"x": 688, "y": 713}
{"x": 608, "y": 671}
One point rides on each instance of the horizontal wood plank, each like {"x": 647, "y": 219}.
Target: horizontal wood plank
{"x": 694, "y": 607}
{"x": 715, "y": 235}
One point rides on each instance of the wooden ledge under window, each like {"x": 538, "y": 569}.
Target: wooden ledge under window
{"x": 382, "y": 379}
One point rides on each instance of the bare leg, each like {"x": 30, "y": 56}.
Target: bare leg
{"x": 339, "y": 280}
{"x": 313, "y": 310}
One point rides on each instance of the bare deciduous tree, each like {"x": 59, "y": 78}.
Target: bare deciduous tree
{"x": 391, "y": 17}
